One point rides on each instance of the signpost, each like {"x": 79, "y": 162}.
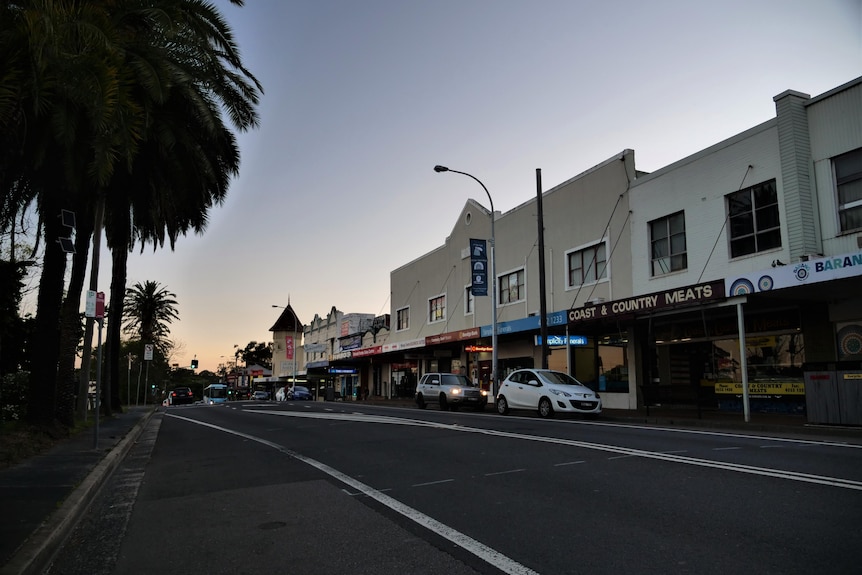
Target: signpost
{"x": 95, "y": 308}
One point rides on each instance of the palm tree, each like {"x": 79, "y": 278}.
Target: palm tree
{"x": 148, "y": 312}
{"x": 57, "y": 95}
{"x": 80, "y": 83}
{"x": 187, "y": 154}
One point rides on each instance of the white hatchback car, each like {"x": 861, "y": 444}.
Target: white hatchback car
{"x": 546, "y": 391}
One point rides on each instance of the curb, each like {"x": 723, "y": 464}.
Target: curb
{"x": 35, "y": 554}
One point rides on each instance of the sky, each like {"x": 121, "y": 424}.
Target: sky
{"x": 362, "y": 98}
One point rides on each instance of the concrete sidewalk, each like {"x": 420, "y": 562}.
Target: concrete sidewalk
{"x": 43, "y": 497}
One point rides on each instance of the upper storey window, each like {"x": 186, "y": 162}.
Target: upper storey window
{"x": 754, "y": 222}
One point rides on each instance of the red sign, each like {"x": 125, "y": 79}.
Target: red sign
{"x": 367, "y": 351}
{"x": 288, "y": 344}
{"x": 478, "y": 348}
{"x": 100, "y": 304}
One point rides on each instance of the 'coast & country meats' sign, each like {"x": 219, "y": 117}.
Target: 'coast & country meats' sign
{"x": 684, "y": 296}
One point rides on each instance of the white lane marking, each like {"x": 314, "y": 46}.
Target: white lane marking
{"x": 725, "y": 448}
{"x": 480, "y": 550}
{"x": 432, "y": 483}
{"x": 504, "y": 472}
{"x": 764, "y": 471}
{"x": 716, "y": 433}
{"x": 568, "y": 463}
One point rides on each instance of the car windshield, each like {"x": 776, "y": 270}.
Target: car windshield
{"x": 182, "y": 390}
{"x": 559, "y": 378}
{"x": 452, "y": 379}
{"x": 301, "y": 389}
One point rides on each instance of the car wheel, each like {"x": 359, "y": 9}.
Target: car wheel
{"x": 444, "y": 405}
{"x": 420, "y": 402}
{"x": 502, "y": 406}
{"x": 545, "y": 408}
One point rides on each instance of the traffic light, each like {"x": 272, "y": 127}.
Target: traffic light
{"x": 194, "y": 364}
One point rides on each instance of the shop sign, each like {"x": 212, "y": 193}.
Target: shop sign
{"x": 342, "y": 370}
{"x": 761, "y": 390}
{"x": 401, "y": 345}
{"x": 526, "y": 324}
{"x": 350, "y": 342}
{"x": 452, "y": 336}
{"x": 803, "y": 273}
{"x": 368, "y": 351}
{"x": 479, "y": 349}
{"x": 680, "y": 297}
{"x": 560, "y": 340}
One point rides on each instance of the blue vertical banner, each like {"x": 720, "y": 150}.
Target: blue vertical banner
{"x": 479, "y": 264}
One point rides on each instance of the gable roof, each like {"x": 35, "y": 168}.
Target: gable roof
{"x": 287, "y": 321}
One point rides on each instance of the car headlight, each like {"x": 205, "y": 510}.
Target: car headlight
{"x": 560, "y": 392}
{"x": 484, "y": 393}
{"x": 456, "y": 391}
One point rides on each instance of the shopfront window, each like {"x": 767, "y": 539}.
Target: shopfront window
{"x": 769, "y": 358}
{"x": 613, "y": 367}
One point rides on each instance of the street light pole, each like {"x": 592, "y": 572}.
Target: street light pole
{"x": 493, "y": 257}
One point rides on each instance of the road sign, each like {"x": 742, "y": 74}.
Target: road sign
{"x": 148, "y": 352}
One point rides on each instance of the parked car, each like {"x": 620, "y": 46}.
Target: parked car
{"x": 180, "y": 396}
{"x": 299, "y": 393}
{"x": 260, "y": 396}
{"x": 546, "y": 391}
{"x": 449, "y": 390}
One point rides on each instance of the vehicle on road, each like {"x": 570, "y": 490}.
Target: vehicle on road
{"x": 260, "y": 396}
{"x": 546, "y": 391}
{"x": 449, "y": 391}
{"x": 215, "y": 393}
{"x": 300, "y": 393}
{"x": 180, "y": 396}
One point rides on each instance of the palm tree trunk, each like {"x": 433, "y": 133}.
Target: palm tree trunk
{"x": 45, "y": 347}
{"x": 70, "y": 323}
{"x": 120, "y": 257}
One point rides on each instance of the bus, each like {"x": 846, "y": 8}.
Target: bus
{"x": 215, "y": 393}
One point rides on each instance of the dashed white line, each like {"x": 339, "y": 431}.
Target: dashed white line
{"x": 504, "y": 472}
{"x": 432, "y": 483}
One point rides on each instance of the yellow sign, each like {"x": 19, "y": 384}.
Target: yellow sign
{"x": 760, "y": 341}
{"x": 772, "y": 388}
{"x": 853, "y": 376}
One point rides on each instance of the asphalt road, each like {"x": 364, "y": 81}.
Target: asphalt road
{"x": 307, "y": 488}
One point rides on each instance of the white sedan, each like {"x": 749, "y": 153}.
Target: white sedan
{"x": 546, "y": 391}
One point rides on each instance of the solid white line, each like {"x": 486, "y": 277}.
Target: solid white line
{"x": 567, "y": 463}
{"x": 725, "y": 448}
{"x": 494, "y": 558}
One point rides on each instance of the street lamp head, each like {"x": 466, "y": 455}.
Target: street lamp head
{"x": 438, "y": 168}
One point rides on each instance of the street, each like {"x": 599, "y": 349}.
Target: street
{"x": 313, "y": 487}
